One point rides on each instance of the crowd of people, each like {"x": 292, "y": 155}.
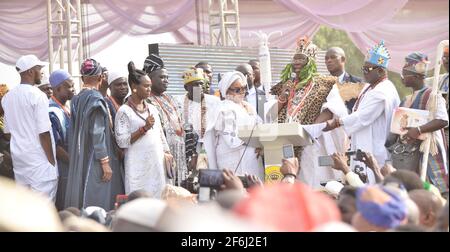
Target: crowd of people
{"x": 122, "y": 154}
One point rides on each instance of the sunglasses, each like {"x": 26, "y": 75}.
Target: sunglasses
{"x": 367, "y": 70}
{"x": 239, "y": 90}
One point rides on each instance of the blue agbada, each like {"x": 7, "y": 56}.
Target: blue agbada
{"x": 60, "y": 123}
{"x": 90, "y": 139}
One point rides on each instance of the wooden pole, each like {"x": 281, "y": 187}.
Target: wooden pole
{"x": 433, "y": 107}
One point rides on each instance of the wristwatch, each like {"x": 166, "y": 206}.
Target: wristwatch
{"x": 289, "y": 178}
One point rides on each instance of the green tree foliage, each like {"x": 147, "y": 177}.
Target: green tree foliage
{"x": 328, "y": 37}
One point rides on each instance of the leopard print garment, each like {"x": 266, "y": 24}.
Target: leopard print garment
{"x": 312, "y": 105}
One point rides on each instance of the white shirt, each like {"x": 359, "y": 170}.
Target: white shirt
{"x": 257, "y": 105}
{"x": 441, "y": 114}
{"x": 369, "y": 125}
{"x": 325, "y": 144}
{"x": 251, "y": 97}
{"x": 26, "y": 116}
{"x": 341, "y": 77}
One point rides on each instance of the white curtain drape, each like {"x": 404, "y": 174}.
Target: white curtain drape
{"x": 405, "y": 26}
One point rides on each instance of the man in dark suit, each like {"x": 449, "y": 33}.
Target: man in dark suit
{"x": 335, "y": 62}
{"x": 255, "y": 96}
{"x": 256, "y": 73}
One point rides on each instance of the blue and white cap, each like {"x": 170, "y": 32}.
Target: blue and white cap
{"x": 378, "y": 55}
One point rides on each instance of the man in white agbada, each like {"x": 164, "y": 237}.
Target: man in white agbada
{"x": 233, "y": 112}
{"x": 197, "y": 111}
{"x": 369, "y": 124}
{"x": 26, "y": 119}
{"x": 324, "y": 144}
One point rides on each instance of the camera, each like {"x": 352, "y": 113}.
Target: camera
{"x": 359, "y": 154}
{"x": 214, "y": 179}
{"x": 288, "y": 151}
{"x": 210, "y": 178}
{"x": 328, "y": 160}
{"x": 191, "y": 182}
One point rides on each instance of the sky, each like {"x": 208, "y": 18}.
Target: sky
{"x": 115, "y": 57}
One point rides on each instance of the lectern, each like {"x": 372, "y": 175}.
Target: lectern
{"x": 272, "y": 137}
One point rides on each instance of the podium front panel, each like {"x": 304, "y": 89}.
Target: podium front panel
{"x": 272, "y": 137}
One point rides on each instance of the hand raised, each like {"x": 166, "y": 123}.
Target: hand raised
{"x": 149, "y": 122}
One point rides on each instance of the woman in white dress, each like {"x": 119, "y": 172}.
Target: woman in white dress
{"x": 233, "y": 112}
{"x": 138, "y": 130}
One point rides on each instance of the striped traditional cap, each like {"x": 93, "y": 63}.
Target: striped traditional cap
{"x": 417, "y": 62}
{"x": 91, "y": 67}
{"x": 153, "y": 62}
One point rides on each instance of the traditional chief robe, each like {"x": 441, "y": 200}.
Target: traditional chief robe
{"x": 324, "y": 143}
{"x": 437, "y": 168}
{"x": 369, "y": 124}
{"x": 191, "y": 112}
{"x": 174, "y": 132}
{"x": 60, "y": 124}
{"x": 90, "y": 139}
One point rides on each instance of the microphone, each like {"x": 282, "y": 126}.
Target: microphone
{"x": 286, "y": 93}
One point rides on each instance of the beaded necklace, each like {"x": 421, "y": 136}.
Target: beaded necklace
{"x": 203, "y": 114}
{"x": 67, "y": 112}
{"x": 293, "y": 110}
{"x": 136, "y": 110}
{"x": 113, "y": 101}
{"x": 168, "y": 105}
{"x": 364, "y": 92}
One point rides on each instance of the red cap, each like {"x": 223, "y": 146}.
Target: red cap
{"x": 287, "y": 207}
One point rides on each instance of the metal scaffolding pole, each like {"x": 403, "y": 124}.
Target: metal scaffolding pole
{"x": 64, "y": 25}
{"x": 224, "y": 24}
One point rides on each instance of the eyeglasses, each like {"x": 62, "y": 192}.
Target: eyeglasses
{"x": 405, "y": 74}
{"x": 367, "y": 70}
{"x": 239, "y": 90}
{"x": 299, "y": 61}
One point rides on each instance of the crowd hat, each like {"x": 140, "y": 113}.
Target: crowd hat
{"x": 26, "y": 62}
{"x": 378, "y": 55}
{"x": 152, "y": 63}
{"x": 380, "y": 206}
{"x": 417, "y": 62}
{"x": 194, "y": 74}
{"x": 112, "y": 76}
{"x": 91, "y": 67}
{"x": 58, "y": 77}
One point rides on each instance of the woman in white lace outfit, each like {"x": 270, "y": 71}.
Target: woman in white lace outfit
{"x": 138, "y": 131}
